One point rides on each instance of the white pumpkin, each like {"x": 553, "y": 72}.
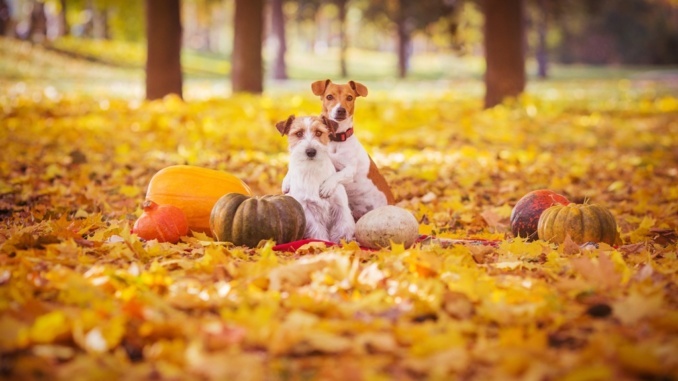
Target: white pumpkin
{"x": 379, "y": 227}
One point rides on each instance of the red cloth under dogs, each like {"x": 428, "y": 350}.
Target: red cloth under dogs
{"x": 294, "y": 246}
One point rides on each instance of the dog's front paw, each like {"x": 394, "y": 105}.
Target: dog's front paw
{"x": 346, "y": 235}
{"x": 327, "y": 188}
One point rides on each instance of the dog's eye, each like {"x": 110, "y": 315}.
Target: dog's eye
{"x": 299, "y": 134}
{"x": 349, "y": 98}
{"x": 329, "y": 97}
{"x": 318, "y": 133}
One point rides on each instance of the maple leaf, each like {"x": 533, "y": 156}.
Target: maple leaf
{"x": 569, "y": 247}
{"x": 494, "y": 220}
{"x": 49, "y": 327}
{"x": 297, "y": 274}
{"x": 636, "y": 306}
{"x": 599, "y": 272}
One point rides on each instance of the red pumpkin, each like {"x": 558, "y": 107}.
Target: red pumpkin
{"x": 166, "y": 223}
{"x": 525, "y": 215}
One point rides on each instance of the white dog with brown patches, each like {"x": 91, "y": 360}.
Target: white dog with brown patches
{"x": 327, "y": 218}
{"x": 367, "y": 189}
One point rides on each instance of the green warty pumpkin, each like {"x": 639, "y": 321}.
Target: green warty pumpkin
{"x": 246, "y": 220}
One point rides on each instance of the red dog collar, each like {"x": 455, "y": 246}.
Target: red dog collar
{"x": 342, "y": 136}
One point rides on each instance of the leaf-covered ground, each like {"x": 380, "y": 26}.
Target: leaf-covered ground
{"x": 82, "y": 298}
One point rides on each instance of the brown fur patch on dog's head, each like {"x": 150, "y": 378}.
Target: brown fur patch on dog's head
{"x": 284, "y": 126}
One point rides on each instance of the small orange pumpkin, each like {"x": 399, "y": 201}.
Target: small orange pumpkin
{"x": 194, "y": 190}
{"x": 582, "y": 222}
{"x": 166, "y": 223}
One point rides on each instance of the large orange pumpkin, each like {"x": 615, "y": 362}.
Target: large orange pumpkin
{"x": 194, "y": 190}
{"x": 582, "y": 222}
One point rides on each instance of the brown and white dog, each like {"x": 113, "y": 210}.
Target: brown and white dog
{"x": 327, "y": 218}
{"x": 367, "y": 189}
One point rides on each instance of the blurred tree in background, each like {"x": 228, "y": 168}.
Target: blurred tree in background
{"x": 617, "y": 32}
{"x": 558, "y": 31}
{"x": 408, "y": 17}
{"x": 504, "y": 51}
{"x": 247, "y": 57}
{"x": 589, "y": 31}
{"x": 280, "y": 39}
{"x": 163, "y": 58}
{"x": 4, "y": 18}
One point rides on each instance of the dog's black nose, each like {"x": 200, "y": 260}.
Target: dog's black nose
{"x": 310, "y": 152}
{"x": 340, "y": 114}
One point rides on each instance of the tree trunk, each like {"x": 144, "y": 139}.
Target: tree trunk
{"x": 100, "y": 30}
{"x": 504, "y": 56}
{"x": 7, "y": 24}
{"x": 278, "y": 28}
{"x": 64, "y": 28}
{"x": 4, "y": 18}
{"x": 163, "y": 62}
{"x": 247, "y": 74}
{"x": 88, "y": 27}
{"x": 343, "y": 43}
{"x": 403, "y": 41}
{"x": 318, "y": 31}
{"x": 38, "y": 28}
{"x": 542, "y": 28}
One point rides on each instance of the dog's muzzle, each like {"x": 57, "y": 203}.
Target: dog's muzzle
{"x": 310, "y": 152}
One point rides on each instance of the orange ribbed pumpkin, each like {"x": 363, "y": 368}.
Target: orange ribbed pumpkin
{"x": 194, "y": 190}
{"x": 582, "y": 222}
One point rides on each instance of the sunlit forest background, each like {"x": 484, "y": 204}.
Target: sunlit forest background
{"x": 382, "y": 41}
{"x": 472, "y": 104}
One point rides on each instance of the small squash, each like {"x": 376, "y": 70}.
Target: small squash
{"x": 166, "y": 223}
{"x": 525, "y": 215}
{"x": 381, "y": 226}
{"x": 194, "y": 190}
{"x": 245, "y": 220}
{"x": 582, "y": 222}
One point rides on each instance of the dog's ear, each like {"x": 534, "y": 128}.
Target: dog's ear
{"x": 331, "y": 125}
{"x": 284, "y": 126}
{"x": 358, "y": 88}
{"x": 319, "y": 87}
